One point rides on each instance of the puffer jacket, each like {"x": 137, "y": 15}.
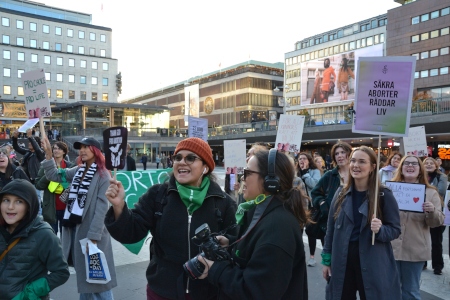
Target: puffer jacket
{"x": 36, "y": 254}
{"x": 172, "y": 233}
{"x": 18, "y": 173}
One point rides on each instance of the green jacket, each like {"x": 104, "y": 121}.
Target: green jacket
{"x": 48, "y": 202}
{"x": 35, "y": 265}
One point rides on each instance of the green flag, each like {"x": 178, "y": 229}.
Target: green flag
{"x": 136, "y": 183}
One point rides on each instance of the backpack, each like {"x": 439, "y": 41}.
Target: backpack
{"x": 158, "y": 208}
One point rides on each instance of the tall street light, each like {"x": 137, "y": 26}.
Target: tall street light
{"x": 285, "y": 102}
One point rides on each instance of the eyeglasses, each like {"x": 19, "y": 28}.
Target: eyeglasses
{"x": 248, "y": 172}
{"x": 411, "y": 163}
{"x": 2, "y": 153}
{"x": 56, "y": 148}
{"x": 188, "y": 159}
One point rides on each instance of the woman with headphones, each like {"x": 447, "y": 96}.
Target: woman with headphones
{"x": 268, "y": 254}
{"x": 172, "y": 211}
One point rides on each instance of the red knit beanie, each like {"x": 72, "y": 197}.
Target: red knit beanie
{"x": 199, "y": 147}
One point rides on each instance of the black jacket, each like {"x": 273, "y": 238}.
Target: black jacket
{"x": 18, "y": 173}
{"x": 271, "y": 259}
{"x": 131, "y": 163}
{"x": 31, "y": 161}
{"x": 171, "y": 235}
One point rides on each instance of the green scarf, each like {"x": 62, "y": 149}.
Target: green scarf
{"x": 192, "y": 196}
{"x": 246, "y": 206}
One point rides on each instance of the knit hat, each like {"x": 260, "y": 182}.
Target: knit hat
{"x": 199, "y": 147}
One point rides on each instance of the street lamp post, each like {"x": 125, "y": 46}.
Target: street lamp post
{"x": 285, "y": 102}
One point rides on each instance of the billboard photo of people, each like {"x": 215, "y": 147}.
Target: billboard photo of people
{"x": 332, "y": 78}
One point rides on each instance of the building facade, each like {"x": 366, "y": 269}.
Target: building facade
{"x": 242, "y": 93}
{"x": 75, "y": 55}
{"x": 422, "y": 29}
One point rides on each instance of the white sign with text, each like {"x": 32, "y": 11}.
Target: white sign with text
{"x": 198, "y": 128}
{"x": 289, "y": 134}
{"x": 36, "y": 95}
{"x": 416, "y": 142}
{"x": 409, "y": 196}
{"x": 235, "y": 156}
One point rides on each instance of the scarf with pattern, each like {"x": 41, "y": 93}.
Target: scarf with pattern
{"x": 77, "y": 196}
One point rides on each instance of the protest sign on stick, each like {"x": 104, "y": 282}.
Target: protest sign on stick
{"x": 384, "y": 89}
{"x": 37, "y": 104}
{"x": 115, "y": 147}
{"x": 235, "y": 156}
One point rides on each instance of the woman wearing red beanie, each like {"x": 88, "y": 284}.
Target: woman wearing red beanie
{"x": 172, "y": 211}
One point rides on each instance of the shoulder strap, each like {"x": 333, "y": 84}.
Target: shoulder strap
{"x": 9, "y": 248}
{"x": 159, "y": 203}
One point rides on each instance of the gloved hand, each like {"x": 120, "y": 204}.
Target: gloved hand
{"x": 34, "y": 290}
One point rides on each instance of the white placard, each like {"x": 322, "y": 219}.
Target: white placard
{"x": 409, "y": 196}
{"x": 416, "y": 142}
{"x": 191, "y": 101}
{"x": 28, "y": 125}
{"x": 446, "y": 211}
{"x": 235, "y": 156}
{"x": 198, "y": 128}
{"x": 289, "y": 134}
{"x": 36, "y": 95}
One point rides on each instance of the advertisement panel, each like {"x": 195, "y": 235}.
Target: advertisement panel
{"x": 191, "y": 101}
{"x": 332, "y": 78}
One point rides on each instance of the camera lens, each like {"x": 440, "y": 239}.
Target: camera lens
{"x": 194, "y": 268}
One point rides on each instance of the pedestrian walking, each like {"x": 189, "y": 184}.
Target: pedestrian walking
{"x": 144, "y": 159}
{"x": 158, "y": 161}
{"x": 164, "y": 160}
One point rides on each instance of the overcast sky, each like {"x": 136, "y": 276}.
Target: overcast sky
{"x": 159, "y": 43}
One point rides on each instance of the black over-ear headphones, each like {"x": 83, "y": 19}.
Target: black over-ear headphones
{"x": 272, "y": 182}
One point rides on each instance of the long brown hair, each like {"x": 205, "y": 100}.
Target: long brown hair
{"x": 347, "y": 148}
{"x": 291, "y": 197}
{"x": 371, "y": 186}
{"x": 421, "y": 178}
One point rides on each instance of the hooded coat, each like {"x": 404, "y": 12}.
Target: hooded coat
{"x": 38, "y": 253}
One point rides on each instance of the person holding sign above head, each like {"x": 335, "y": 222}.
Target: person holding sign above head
{"x": 386, "y": 173}
{"x": 85, "y": 212}
{"x": 268, "y": 255}
{"x": 439, "y": 181}
{"x": 351, "y": 223}
{"x": 413, "y": 247}
{"x": 172, "y": 211}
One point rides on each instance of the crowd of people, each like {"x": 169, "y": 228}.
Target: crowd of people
{"x": 250, "y": 234}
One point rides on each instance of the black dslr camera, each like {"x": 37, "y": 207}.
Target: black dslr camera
{"x": 210, "y": 248}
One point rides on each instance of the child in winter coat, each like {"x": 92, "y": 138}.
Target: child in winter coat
{"x": 31, "y": 259}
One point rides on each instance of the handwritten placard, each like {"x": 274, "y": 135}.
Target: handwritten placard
{"x": 289, "y": 134}
{"x": 446, "y": 211}
{"x": 235, "y": 156}
{"x": 198, "y": 128}
{"x": 416, "y": 142}
{"x": 409, "y": 196}
{"x": 36, "y": 95}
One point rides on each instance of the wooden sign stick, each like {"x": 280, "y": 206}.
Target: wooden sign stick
{"x": 376, "y": 186}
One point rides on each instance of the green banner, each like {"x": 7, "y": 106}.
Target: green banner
{"x": 136, "y": 183}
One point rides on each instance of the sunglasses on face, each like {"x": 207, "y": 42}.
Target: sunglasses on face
{"x": 188, "y": 159}
{"x": 248, "y": 172}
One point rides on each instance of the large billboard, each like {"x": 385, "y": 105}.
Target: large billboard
{"x": 332, "y": 78}
{"x": 191, "y": 101}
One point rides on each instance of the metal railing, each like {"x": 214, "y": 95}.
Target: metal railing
{"x": 419, "y": 108}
